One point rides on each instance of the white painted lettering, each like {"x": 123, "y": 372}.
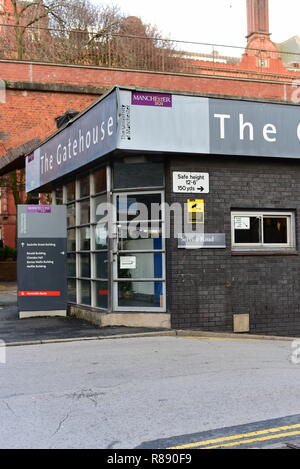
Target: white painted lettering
{"x": 75, "y": 145}
{"x": 69, "y": 147}
{"x": 110, "y": 124}
{"x": 95, "y": 135}
{"x": 64, "y": 154}
{"x": 58, "y": 155}
{"x": 269, "y": 129}
{"x": 81, "y": 142}
{"x": 243, "y": 126}
{"x": 222, "y": 118}
{"x": 102, "y": 131}
{"x": 298, "y": 131}
{"x": 88, "y": 139}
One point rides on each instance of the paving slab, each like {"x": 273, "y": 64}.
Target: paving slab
{"x": 16, "y": 331}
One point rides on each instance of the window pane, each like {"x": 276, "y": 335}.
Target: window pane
{"x": 85, "y": 292}
{"x": 100, "y": 180}
{"x": 101, "y": 235}
{"x": 275, "y": 230}
{"x": 71, "y": 191}
{"x": 140, "y": 265}
{"x": 99, "y": 210}
{"x": 85, "y": 265}
{"x": 71, "y": 244}
{"x": 84, "y": 212}
{"x": 140, "y": 294}
{"x": 250, "y": 234}
{"x": 59, "y": 195}
{"x": 138, "y": 175}
{"x": 71, "y": 215}
{"x": 84, "y": 186}
{"x": 71, "y": 265}
{"x": 144, "y": 206}
{"x": 101, "y": 294}
{"x": 136, "y": 242}
{"x": 84, "y": 237}
{"x": 72, "y": 290}
{"x": 101, "y": 264}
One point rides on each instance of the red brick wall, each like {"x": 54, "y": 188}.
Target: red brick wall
{"x": 29, "y": 114}
{"x": 227, "y": 80}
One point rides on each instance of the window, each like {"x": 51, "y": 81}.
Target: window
{"x": 262, "y": 230}
{"x": 87, "y": 239}
{"x": 144, "y": 174}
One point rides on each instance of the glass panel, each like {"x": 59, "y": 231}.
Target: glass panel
{"x": 101, "y": 294}
{"x": 130, "y": 207}
{"x": 140, "y": 266}
{"x": 98, "y": 211}
{"x": 128, "y": 175}
{"x": 59, "y": 195}
{"x": 84, "y": 212}
{"x": 101, "y": 264}
{"x": 101, "y": 235}
{"x": 251, "y": 233}
{"x": 71, "y": 219}
{"x": 100, "y": 180}
{"x": 84, "y": 186}
{"x": 139, "y": 244}
{"x": 140, "y": 294}
{"x": 71, "y": 244}
{"x": 71, "y": 265}
{"x": 71, "y": 193}
{"x": 85, "y": 239}
{"x": 85, "y": 265}
{"x": 72, "y": 290}
{"x": 85, "y": 292}
{"x": 275, "y": 230}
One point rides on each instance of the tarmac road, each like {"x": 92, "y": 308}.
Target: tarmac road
{"x": 150, "y": 392}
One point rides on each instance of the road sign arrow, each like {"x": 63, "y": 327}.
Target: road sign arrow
{"x": 200, "y": 189}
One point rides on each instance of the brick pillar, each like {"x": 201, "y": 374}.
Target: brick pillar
{"x": 258, "y": 17}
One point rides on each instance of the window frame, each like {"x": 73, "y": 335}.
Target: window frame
{"x": 262, "y": 246}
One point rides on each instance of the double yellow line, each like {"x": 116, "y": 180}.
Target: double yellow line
{"x": 243, "y": 438}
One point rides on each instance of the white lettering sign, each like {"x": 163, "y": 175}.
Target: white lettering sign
{"x": 190, "y": 182}
{"x": 128, "y": 262}
{"x": 242, "y": 223}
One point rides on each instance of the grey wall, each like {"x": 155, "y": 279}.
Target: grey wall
{"x": 207, "y": 286}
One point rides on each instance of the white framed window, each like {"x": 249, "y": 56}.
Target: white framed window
{"x": 262, "y": 230}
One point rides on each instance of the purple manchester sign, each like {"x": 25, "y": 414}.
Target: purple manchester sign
{"x": 139, "y": 98}
{"x": 38, "y": 209}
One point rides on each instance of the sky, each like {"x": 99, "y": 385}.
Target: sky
{"x": 211, "y": 21}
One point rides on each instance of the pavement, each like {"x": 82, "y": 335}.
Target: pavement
{"x": 17, "y": 332}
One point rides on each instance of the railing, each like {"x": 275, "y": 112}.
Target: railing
{"x": 138, "y": 53}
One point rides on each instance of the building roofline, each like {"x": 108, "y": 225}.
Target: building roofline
{"x": 159, "y": 90}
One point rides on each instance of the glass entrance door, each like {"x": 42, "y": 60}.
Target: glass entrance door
{"x": 138, "y": 252}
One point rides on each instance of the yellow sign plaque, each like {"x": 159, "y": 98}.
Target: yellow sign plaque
{"x": 195, "y": 210}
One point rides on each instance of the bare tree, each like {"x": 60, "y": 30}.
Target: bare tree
{"x": 27, "y": 14}
{"x": 80, "y": 32}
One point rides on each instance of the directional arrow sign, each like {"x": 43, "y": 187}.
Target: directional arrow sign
{"x": 190, "y": 183}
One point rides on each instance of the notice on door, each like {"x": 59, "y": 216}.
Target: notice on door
{"x": 41, "y": 265}
{"x": 128, "y": 262}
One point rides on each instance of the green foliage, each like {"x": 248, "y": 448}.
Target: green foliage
{"x": 7, "y": 253}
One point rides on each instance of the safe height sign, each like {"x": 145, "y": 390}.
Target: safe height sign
{"x": 42, "y": 238}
